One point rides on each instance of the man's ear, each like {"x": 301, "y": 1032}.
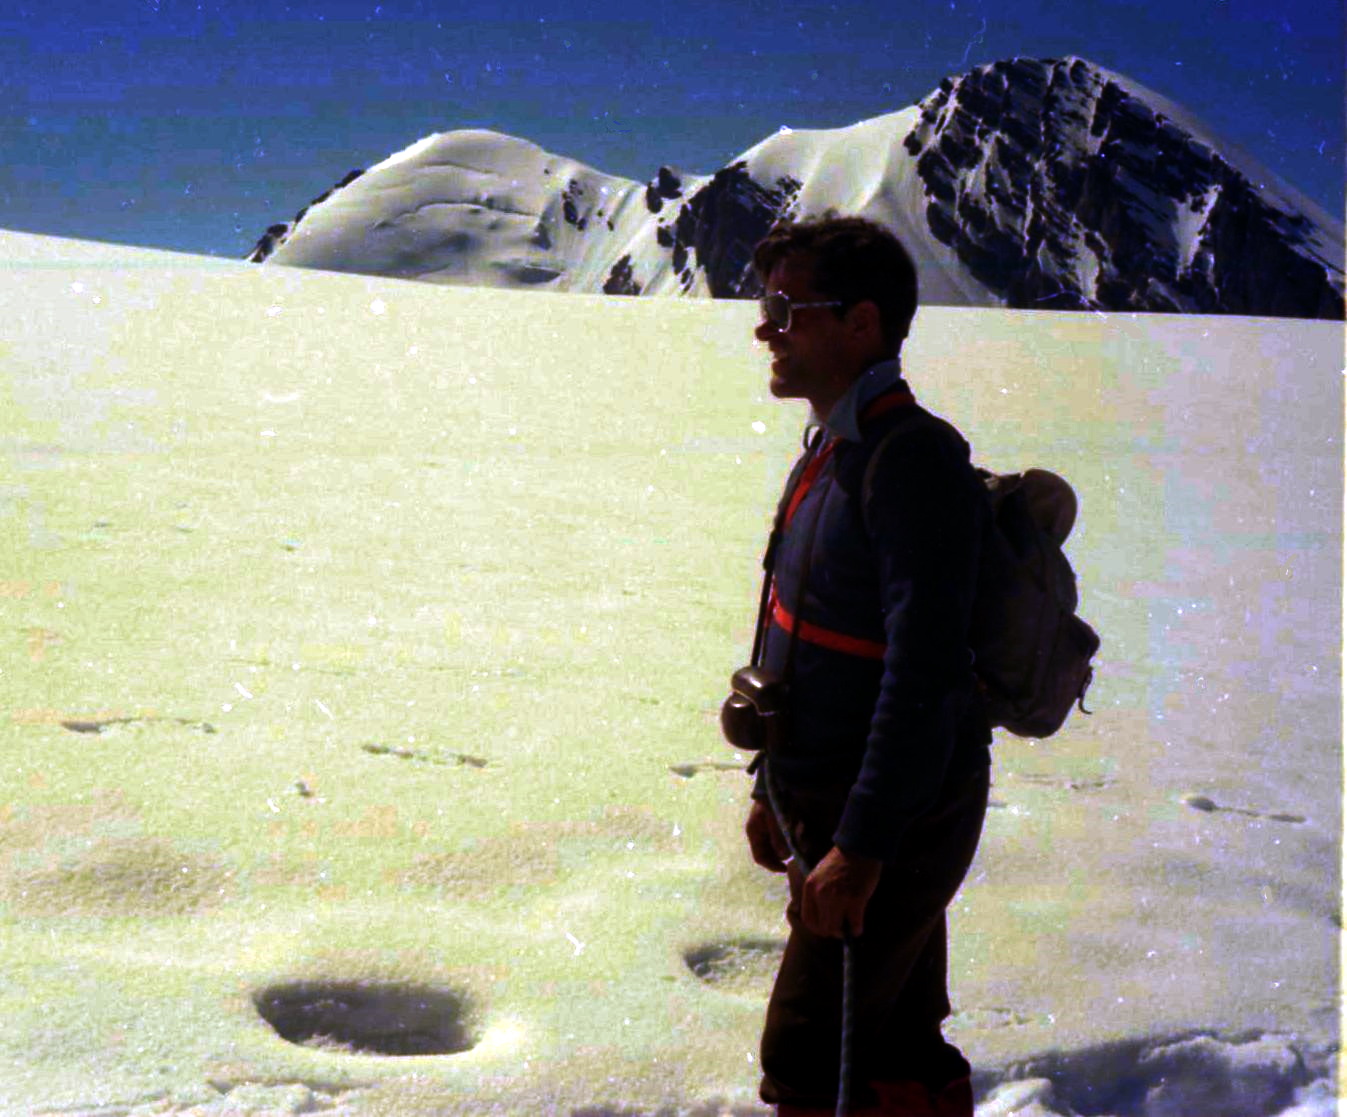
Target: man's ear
{"x": 864, "y": 324}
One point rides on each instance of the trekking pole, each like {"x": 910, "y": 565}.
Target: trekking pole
{"x": 844, "y": 1060}
{"x": 815, "y": 449}
{"x": 844, "y": 1063}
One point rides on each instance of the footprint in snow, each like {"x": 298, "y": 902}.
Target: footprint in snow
{"x": 995, "y": 1017}
{"x": 737, "y": 965}
{"x": 687, "y": 771}
{"x": 1210, "y": 806}
{"x": 1067, "y": 782}
{"x": 92, "y": 725}
{"x": 457, "y": 759}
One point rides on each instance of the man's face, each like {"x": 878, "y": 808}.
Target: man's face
{"x": 807, "y": 361}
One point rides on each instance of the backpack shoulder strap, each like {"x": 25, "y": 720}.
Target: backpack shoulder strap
{"x": 903, "y": 421}
{"x": 813, "y": 440}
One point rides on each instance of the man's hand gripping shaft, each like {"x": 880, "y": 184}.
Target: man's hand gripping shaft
{"x": 833, "y": 896}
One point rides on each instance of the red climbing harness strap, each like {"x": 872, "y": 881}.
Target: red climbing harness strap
{"x": 816, "y": 634}
{"x": 811, "y": 472}
{"x": 826, "y": 637}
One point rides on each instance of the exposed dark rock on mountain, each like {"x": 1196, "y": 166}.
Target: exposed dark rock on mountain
{"x": 722, "y": 221}
{"x": 665, "y": 185}
{"x": 620, "y": 281}
{"x": 1059, "y": 188}
{"x": 1040, "y": 184}
{"x": 275, "y": 235}
{"x": 570, "y": 207}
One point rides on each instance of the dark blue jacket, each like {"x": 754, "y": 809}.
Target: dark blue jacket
{"x": 880, "y": 721}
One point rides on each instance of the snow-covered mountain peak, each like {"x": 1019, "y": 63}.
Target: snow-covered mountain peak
{"x": 1026, "y": 183}
{"x": 471, "y": 206}
{"x": 1061, "y": 184}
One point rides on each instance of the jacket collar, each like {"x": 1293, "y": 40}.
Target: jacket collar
{"x": 844, "y": 421}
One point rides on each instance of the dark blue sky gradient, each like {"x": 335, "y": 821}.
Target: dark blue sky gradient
{"x": 193, "y": 126}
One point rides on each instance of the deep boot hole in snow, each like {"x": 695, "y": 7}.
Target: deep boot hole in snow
{"x": 740, "y": 965}
{"x": 369, "y": 1019}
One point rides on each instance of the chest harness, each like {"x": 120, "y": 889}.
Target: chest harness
{"x": 773, "y": 607}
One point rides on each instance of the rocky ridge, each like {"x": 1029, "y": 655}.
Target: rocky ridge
{"x": 1027, "y": 183}
{"x": 1057, "y": 186}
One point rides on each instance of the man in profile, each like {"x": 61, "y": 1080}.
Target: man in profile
{"x": 883, "y": 777}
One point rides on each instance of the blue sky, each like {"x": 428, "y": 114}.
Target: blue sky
{"x": 194, "y": 125}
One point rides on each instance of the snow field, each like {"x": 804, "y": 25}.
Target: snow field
{"x": 374, "y": 632}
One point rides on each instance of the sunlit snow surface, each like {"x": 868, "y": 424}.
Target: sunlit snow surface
{"x": 369, "y": 635}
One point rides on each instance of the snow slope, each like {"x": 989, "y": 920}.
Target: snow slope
{"x": 1028, "y": 183}
{"x": 367, "y": 639}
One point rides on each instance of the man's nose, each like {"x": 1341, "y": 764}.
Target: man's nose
{"x": 765, "y": 331}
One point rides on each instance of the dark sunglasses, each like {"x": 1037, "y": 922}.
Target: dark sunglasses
{"x": 777, "y": 308}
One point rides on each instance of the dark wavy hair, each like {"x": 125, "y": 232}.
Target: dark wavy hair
{"x": 853, "y": 260}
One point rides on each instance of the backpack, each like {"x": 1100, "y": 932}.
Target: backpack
{"x": 1031, "y": 653}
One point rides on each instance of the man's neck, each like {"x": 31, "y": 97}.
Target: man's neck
{"x": 844, "y": 412}
{"x": 826, "y": 398}
{"x": 823, "y": 405}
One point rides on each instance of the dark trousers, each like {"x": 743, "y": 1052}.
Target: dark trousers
{"x": 899, "y": 993}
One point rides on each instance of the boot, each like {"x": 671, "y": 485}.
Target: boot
{"x": 910, "y": 1098}
{"x": 956, "y": 1099}
{"x": 787, "y": 1110}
